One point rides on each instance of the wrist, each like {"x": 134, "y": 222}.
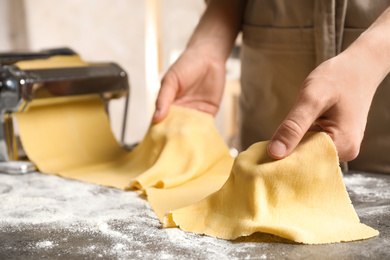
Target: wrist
{"x": 376, "y": 49}
{"x": 373, "y": 45}
{"x": 218, "y": 27}
{"x": 209, "y": 47}
{"x": 370, "y": 54}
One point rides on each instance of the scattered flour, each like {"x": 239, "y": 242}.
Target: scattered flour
{"x": 44, "y": 244}
{"x": 367, "y": 187}
{"x": 108, "y": 223}
{"x": 122, "y": 219}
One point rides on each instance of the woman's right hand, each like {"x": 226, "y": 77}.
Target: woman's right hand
{"x": 196, "y": 80}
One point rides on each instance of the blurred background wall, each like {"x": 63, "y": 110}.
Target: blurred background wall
{"x": 143, "y": 36}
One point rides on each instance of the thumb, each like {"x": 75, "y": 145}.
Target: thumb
{"x": 165, "y": 98}
{"x": 293, "y": 128}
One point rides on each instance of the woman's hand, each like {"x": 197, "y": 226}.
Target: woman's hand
{"x": 336, "y": 96}
{"x": 196, "y": 80}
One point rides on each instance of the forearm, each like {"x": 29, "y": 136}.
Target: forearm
{"x": 219, "y": 26}
{"x": 372, "y": 48}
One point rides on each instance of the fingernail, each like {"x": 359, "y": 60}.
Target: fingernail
{"x": 277, "y": 148}
{"x": 157, "y": 113}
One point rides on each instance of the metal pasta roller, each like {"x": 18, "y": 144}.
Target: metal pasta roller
{"x": 53, "y": 83}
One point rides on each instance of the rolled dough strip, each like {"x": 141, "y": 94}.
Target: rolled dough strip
{"x": 301, "y": 198}
{"x": 74, "y": 140}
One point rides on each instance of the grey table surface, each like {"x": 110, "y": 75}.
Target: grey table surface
{"x": 44, "y": 216}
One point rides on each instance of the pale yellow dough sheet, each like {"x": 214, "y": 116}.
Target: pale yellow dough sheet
{"x": 74, "y": 140}
{"x": 60, "y": 61}
{"x": 301, "y": 198}
{"x": 164, "y": 200}
{"x": 184, "y": 146}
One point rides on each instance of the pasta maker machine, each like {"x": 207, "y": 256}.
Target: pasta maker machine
{"x": 18, "y": 88}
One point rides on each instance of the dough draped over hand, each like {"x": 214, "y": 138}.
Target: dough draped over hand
{"x": 182, "y": 147}
{"x": 301, "y": 198}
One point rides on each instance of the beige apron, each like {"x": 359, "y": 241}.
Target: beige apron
{"x": 283, "y": 41}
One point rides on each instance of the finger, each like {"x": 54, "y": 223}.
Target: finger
{"x": 165, "y": 98}
{"x": 294, "y": 127}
